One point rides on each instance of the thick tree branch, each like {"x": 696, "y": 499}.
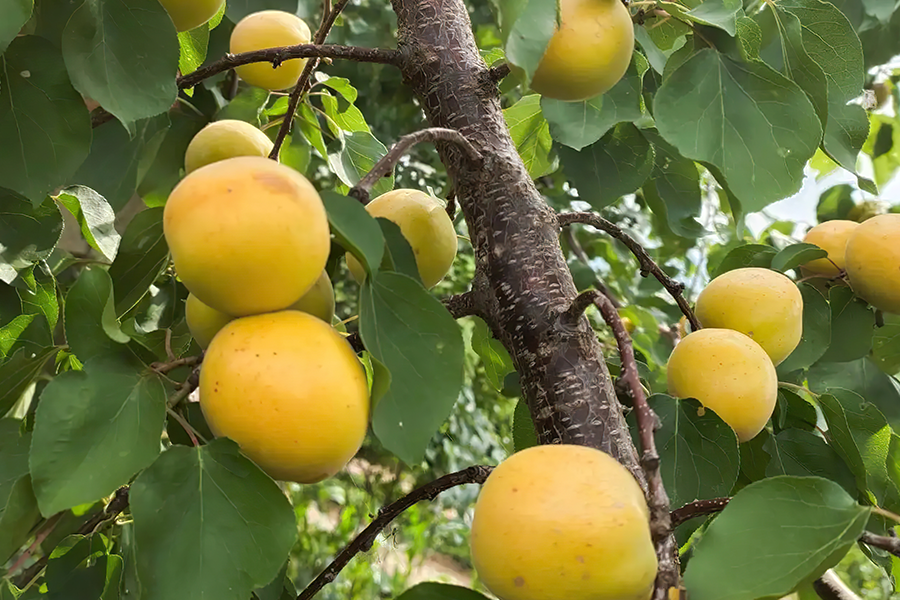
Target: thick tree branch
{"x": 363, "y": 542}
{"x": 888, "y": 543}
{"x": 647, "y": 421}
{"x": 698, "y": 508}
{"x": 278, "y": 55}
{"x": 386, "y": 164}
{"x": 329, "y": 16}
{"x": 648, "y": 266}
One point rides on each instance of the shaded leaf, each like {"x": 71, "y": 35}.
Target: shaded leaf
{"x": 716, "y": 13}
{"x": 531, "y": 135}
{"x": 526, "y": 28}
{"x": 398, "y": 255}
{"x": 795, "y": 255}
{"x": 748, "y": 255}
{"x": 18, "y": 373}
{"x": 167, "y": 159}
{"x": 524, "y": 434}
{"x": 863, "y": 377}
{"x": 355, "y": 229}
{"x": 431, "y": 590}
{"x": 494, "y": 356}
{"x": 359, "y": 152}
{"x": 29, "y": 233}
{"x": 95, "y": 217}
{"x": 77, "y": 568}
{"x": 248, "y": 106}
{"x": 91, "y": 325}
{"x": 181, "y": 505}
{"x": 852, "y": 326}
{"x": 816, "y": 335}
{"x": 886, "y": 345}
{"x": 13, "y": 15}
{"x": 18, "y": 507}
{"x": 143, "y": 256}
{"x": 803, "y": 453}
{"x": 673, "y": 190}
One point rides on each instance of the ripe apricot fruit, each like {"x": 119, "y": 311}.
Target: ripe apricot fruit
{"x": 188, "y": 14}
{"x": 729, "y": 373}
{"x": 830, "y": 236}
{"x": 270, "y": 29}
{"x": 761, "y": 303}
{"x": 873, "y": 261}
{"x": 204, "y": 322}
{"x": 289, "y": 390}
{"x": 223, "y": 139}
{"x": 563, "y": 521}
{"x": 589, "y": 53}
{"x": 247, "y": 235}
{"x": 424, "y": 223}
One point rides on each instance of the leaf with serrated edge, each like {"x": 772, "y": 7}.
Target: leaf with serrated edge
{"x": 95, "y": 217}
{"x": 530, "y": 133}
{"x": 793, "y": 527}
{"x": 181, "y": 506}
{"x": 358, "y": 153}
{"x": 29, "y": 233}
{"x": 803, "y": 453}
{"x": 18, "y": 372}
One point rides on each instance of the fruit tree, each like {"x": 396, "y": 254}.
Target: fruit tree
{"x": 597, "y": 299}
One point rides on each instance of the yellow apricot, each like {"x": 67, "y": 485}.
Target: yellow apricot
{"x": 247, "y": 235}
{"x": 830, "y": 236}
{"x": 203, "y": 322}
{"x": 424, "y": 223}
{"x": 729, "y": 373}
{"x": 873, "y": 261}
{"x": 589, "y": 53}
{"x": 289, "y": 390}
{"x": 225, "y": 139}
{"x": 188, "y": 14}
{"x": 761, "y": 303}
{"x": 270, "y": 29}
{"x": 563, "y": 521}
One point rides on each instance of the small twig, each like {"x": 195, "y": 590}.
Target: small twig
{"x": 363, "y": 542}
{"x": 657, "y": 498}
{"x": 698, "y": 508}
{"x": 386, "y": 164}
{"x": 329, "y": 16}
{"x": 648, "y": 266}
{"x": 830, "y": 587}
{"x": 189, "y": 385}
{"x": 888, "y": 543}
{"x": 581, "y": 255}
{"x": 165, "y": 367}
{"x": 118, "y": 503}
{"x": 39, "y": 538}
{"x": 188, "y": 429}
{"x": 499, "y": 72}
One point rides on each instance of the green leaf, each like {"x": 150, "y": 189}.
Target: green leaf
{"x": 580, "y": 124}
{"x": 794, "y": 528}
{"x": 113, "y": 165}
{"x": 77, "y": 568}
{"x": 165, "y": 170}
{"x": 13, "y": 16}
{"x": 863, "y": 377}
{"x": 699, "y": 456}
{"x": 816, "y": 336}
{"x": 744, "y": 118}
{"x": 852, "y": 326}
{"x": 10, "y": 333}
{"x": 673, "y": 190}
{"x": 91, "y": 326}
{"x": 339, "y": 84}
{"x": 526, "y": 28}
{"x": 238, "y": 9}
{"x": 344, "y": 113}
{"x": 531, "y": 134}
{"x": 524, "y": 435}
{"x": 803, "y": 453}
{"x": 143, "y": 256}
{"x": 794, "y": 412}
{"x": 618, "y": 164}
{"x": 795, "y": 255}
{"x": 249, "y": 106}
{"x": 835, "y": 203}
{"x": 355, "y": 229}
{"x": 18, "y": 373}
{"x": 886, "y": 345}
{"x": 715, "y": 13}
{"x": 412, "y": 334}
{"x": 94, "y": 429}
{"x": 494, "y": 357}
{"x": 399, "y": 256}
{"x": 192, "y": 48}
{"x": 748, "y": 255}
{"x": 181, "y": 506}
{"x": 95, "y": 217}
{"x": 29, "y": 233}
{"x": 18, "y": 507}
{"x": 359, "y": 152}
{"x": 44, "y": 124}
{"x": 308, "y": 123}
{"x": 431, "y": 590}
{"x": 123, "y": 54}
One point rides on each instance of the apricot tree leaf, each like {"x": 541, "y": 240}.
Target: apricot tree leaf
{"x": 91, "y": 325}
{"x": 803, "y": 453}
{"x": 531, "y": 135}
{"x": 431, "y": 590}
{"x": 852, "y": 326}
{"x": 13, "y": 15}
{"x": 18, "y": 507}
{"x": 355, "y": 229}
{"x": 95, "y": 217}
{"x": 526, "y": 27}
{"x": 29, "y": 232}
{"x": 143, "y": 255}
{"x": 816, "y": 335}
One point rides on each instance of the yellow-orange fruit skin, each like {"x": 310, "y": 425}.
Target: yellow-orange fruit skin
{"x": 729, "y": 373}
{"x": 589, "y": 53}
{"x": 424, "y": 223}
{"x": 563, "y": 521}
{"x": 247, "y": 235}
{"x": 203, "y": 322}
{"x": 761, "y": 303}
{"x": 873, "y": 261}
{"x": 189, "y": 14}
{"x": 289, "y": 390}
{"x": 832, "y": 237}
{"x": 270, "y": 29}
{"x": 224, "y": 139}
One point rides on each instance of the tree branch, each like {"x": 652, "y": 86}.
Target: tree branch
{"x": 187, "y": 361}
{"x": 363, "y": 542}
{"x": 647, "y": 265}
{"x": 329, "y": 16}
{"x": 278, "y": 55}
{"x": 190, "y": 384}
{"x": 884, "y": 542}
{"x": 697, "y": 508}
{"x": 658, "y": 500}
{"x": 830, "y": 587}
{"x": 386, "y": 164}
{"x": 118, "y": 503}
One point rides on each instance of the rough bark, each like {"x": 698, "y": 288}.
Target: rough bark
{"x": 522, "y": 282}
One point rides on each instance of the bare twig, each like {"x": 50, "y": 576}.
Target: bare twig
{"x": 188, "y": 429}
{"x": 329, "y": 16}
{"x": 698, "y": 508}
{"x": 657, "y": 499}
{"x": 499, "y": 72}
{"x": 830, "y": 587}
{"x": 363, "y": 542}
{"x": 581, "y": 255}
{"x": 189, "y": 385}
{"x": 648, "y": 267}
{"x": 386, "y": 164}
{"x": 118, "y": 503}
{"x": 165, "y": 367}
{"x": 890, "y": 544}
{"x": 48, "y": 527}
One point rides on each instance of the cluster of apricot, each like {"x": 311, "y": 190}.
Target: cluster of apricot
{"x": 250, "y": 238}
